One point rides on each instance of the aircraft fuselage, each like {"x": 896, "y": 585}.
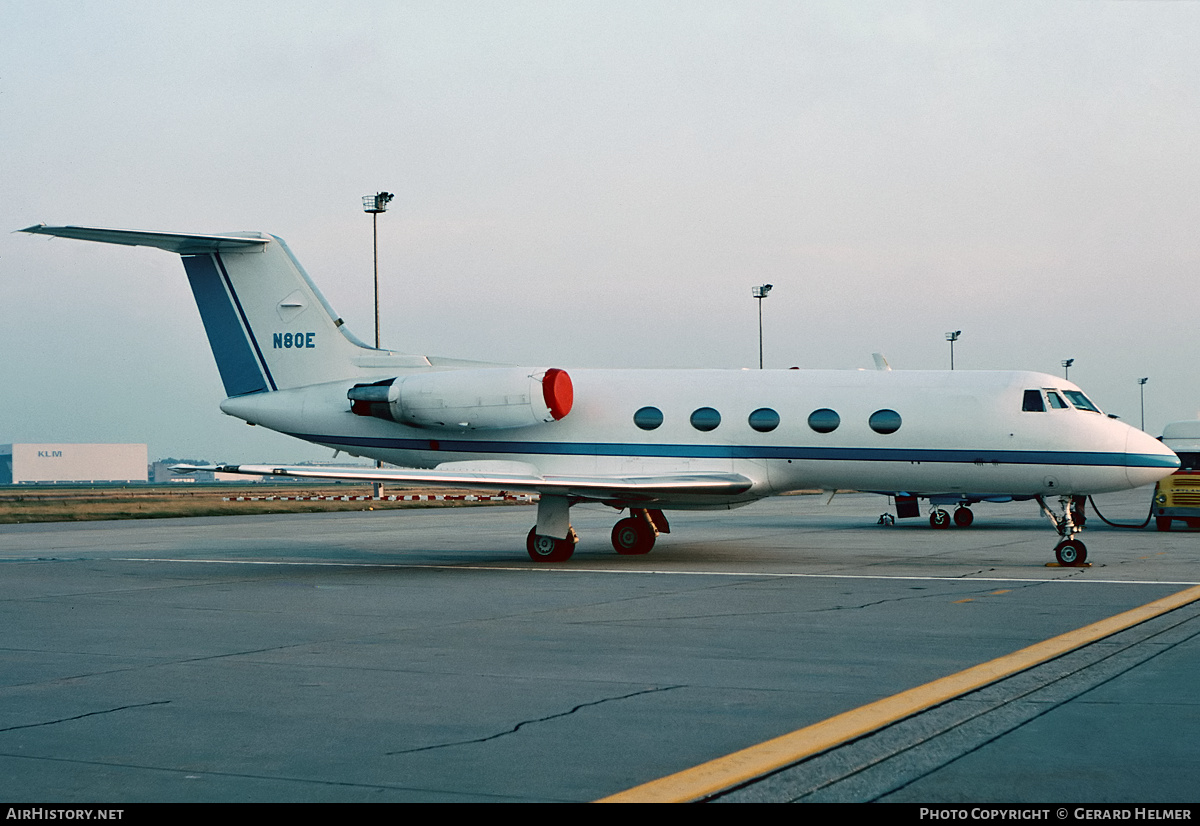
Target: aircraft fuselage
{"x": 960, "y": 431}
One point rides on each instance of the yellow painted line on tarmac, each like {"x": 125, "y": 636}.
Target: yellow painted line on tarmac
{"x": 742, "y": 766}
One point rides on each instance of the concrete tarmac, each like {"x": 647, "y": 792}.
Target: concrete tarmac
{"x": 419, "y": 655}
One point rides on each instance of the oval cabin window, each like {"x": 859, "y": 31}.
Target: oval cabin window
{"x": 706, "y": 419}
{"x": 764, "y": 420}
{"x": 824, "y": 420}
{"x": 885, "y": 421}
{"x": 648, "y": 418}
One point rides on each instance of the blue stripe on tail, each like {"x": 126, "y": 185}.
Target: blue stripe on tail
{"x": 240, "y": 368}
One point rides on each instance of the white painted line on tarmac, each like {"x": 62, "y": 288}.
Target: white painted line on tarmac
{"x": 546, "y": 569}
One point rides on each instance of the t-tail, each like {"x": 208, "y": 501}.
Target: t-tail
{"x": 268, "y": 325}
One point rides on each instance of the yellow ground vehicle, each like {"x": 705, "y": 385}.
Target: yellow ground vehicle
{"x": 1178, "y": 496}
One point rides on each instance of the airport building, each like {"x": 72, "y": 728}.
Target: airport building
{"x": 65, "y": 463}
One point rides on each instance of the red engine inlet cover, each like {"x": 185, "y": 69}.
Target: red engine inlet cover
{"x": 558, "y": 392}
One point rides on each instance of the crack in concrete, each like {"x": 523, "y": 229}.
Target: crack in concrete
{"x": 524, "y": 723}
{"x": 70, "y": 678}
{"x": 985, "y": 589}
{"x": 82, "y": 716}
{"x": 195, "y": 773}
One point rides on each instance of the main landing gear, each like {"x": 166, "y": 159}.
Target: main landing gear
{"x": 635, "y": 534}
{"x": 544, "y": 548}
{"x": 940, "y": 519}
{"x": 1069, "y": 551}
{"x": 632, "y": 536}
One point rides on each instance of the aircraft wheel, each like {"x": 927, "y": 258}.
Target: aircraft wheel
{"x": 963, "y": 517}
{"x": 1162, "y": 523}
{"x": 632, "y": 536}
{"x": 544, "y": 548}
{"x": 1071, "y": 552}
{"x": 939, "y": 519}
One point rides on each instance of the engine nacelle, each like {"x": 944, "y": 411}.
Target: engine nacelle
{"x": 481, "y": 399}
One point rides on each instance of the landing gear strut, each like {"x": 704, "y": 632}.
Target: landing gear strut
{"x": 1069, "y": 551}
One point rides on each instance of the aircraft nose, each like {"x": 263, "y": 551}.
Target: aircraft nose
{"x": 1147, "y": 459}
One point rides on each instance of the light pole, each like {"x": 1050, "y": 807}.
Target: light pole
{"x": 373, "y": 205}
{"x": 760, "y": 293}
{"x": 952, "y": 337}
{"x": 1066, "y": 363}
{"x": 1142, "y": 391}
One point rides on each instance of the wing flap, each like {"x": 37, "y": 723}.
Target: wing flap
{"x": 598, "y": 488}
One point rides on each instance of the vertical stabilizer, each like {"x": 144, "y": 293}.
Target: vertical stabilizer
{"x": 268, "y": 326}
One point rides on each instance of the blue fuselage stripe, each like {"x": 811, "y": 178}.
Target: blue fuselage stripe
{"x": 844, "y": 454}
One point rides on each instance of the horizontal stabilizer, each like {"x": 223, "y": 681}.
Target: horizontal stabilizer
{"x": 596, "y": 488}
{"x": 268, "y": 325}
{"x": 170, "y": 241}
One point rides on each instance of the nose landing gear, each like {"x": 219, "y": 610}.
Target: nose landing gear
{"x": 1069, "y": 551}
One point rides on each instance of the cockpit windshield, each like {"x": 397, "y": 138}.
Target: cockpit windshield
{"x": 1032, "y": 402}
{"x": 1080, "y": 401}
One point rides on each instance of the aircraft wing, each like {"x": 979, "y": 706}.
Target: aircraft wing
{"x": 645, "y": 489}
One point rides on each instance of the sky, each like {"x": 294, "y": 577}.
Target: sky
{"x": 601, "y": 184}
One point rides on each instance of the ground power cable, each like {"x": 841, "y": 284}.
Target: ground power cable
{"x": 1149, "y": 513}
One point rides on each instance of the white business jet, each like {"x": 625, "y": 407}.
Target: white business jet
{"x": 638, "y": 440}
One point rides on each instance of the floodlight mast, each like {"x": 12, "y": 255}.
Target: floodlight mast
{"x": 1142, "y": 391}
{"x": 1066, "y": 363}
{"x": 760, "y": 293}
{"x": 952, "y": 337}
{"x": 373, "y": 205}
